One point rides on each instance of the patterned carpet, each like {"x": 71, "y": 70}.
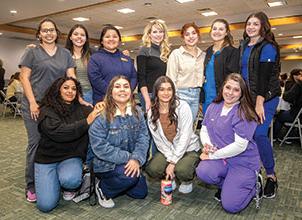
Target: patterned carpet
{"x": 197, "y": 205}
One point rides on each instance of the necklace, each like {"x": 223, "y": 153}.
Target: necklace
{"x": 50, "y": 52}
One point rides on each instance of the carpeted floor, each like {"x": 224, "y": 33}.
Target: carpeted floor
{"x": 197, "y": 205}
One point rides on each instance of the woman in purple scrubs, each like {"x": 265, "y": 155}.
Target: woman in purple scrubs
{"x": 230, "y": 158}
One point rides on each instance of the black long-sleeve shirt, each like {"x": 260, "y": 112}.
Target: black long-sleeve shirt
{"x": 63, "y": 137}
{"x": 149, "y": 66}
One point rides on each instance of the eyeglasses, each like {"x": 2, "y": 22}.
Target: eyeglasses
{"x": 50, "y": 30}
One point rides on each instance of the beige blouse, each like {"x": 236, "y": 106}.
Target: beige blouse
{"x": 185, "y": 70}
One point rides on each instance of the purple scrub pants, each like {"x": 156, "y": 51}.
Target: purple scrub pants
{"x": 237, "y": 183}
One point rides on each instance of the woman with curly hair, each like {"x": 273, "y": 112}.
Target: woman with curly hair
{"x": 171, "y": 124}
{"x": 152, "y": 60}
{"x": 119, "y": 140}
{"x": 63, "y": 126}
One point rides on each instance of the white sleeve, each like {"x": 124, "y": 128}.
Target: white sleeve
{"x": 231, "y": 150}
{"x": 204, "y": 136}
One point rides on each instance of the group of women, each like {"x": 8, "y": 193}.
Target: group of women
{"x": 237, "y": 108}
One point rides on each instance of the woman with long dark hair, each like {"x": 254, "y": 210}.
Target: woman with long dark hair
{"x": 260, "y": 67}
{"x": 221, "y": 59}
{"x": 230, "y": 158}
{"x": 40, "y": 67}
{"x": 77, "y": 42}
{"x": 171, "y": 125}
{"x": 63, "y": 125}
{"x": 119, "y": 140}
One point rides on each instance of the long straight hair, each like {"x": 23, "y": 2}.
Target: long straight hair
{"x": 174, "y": 102}
{"x": 246, "y": 107}
{"x": 265, "y": 29}
{"x": 228, "y": 39}
{"x": 85, "y": 53}
{"x": 110, "y": 105}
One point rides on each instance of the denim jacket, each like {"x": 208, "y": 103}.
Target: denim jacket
{"x": 115, "y": 143}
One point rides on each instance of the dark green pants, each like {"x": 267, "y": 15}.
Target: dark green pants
{"x": 184, "y": 169}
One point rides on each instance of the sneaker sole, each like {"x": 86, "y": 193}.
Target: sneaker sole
{"x": 31, "y": 200}
{"x": 218, "y": 200}
{"x": 99, "y": 200}
{"x": 269, "y": 197}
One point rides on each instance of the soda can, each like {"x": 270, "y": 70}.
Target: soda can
{"x": 166, "y": 192}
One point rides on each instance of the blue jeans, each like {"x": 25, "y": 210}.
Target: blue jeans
{"x": 87, "y": 96}
{"x": 115, "y": 183}
{"x": 49, "y": 178}
{"x": 261, "y": 136}
{"x": 191, "y": 96}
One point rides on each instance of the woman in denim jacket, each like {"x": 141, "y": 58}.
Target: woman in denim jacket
{"x": 119, "y": 140}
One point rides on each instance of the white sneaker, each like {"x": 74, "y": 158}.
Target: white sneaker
{"x": 67, "y": 196}
{"x": 185, "y": 187}
{"x": 103, "y": 201}
{"x": 174, "y": 185}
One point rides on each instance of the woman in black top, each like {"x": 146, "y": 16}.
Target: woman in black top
{"x": 152, "y": 60}
{"x": 221, "y": 59}
{"x": 63, "y": 125}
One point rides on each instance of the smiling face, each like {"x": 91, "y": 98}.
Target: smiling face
{"x": 165, "y": 92}
{"x": 190, "y": 37}
{"x": 110, "y": 40}
{"x": 252, "y": 28}
{"x": 231, "y": 92}
{"x": 218, "y": 31}
{"x": 78, "y": 37}
{"x": 121, "y": 92}
{"x": 48, "y": 33}
{"x": 156, "y": 35}
{"x": 68, "y": 91}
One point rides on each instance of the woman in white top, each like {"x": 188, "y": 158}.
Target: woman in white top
{"x": 185, "y": 67}
{"x": 171, "y": 125}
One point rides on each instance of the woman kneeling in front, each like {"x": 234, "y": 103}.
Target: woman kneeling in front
{"x": 171, "y": 124}
{"x": 230, "y": 157}
{"x": 62, "y": 148}
{"x": 119, "y": 140}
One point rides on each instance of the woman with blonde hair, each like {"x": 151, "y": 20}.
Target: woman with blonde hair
{"x": 152, "y": 59}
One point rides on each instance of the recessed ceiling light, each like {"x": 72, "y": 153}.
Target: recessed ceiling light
{"x": 276, "y": 3}
{"x": 298, "y": 36}
{"x": 123, "y": 44}
{"x": 1, "y": 33}
{"x": 203, "y": 41}
{"x": 280, "y": 34}
{"x": 210, "y": 13}
{"x": 274, "y": 28}
{"x": 96, "y": 46}
{"x": 13, "y": 11}
{"x": 184, "y": 1}
{"x": 81, "y": 19}
{"x": 207, "y": 12}
{"x": 126, "y": 10}
{"x": 118, "y": 27}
